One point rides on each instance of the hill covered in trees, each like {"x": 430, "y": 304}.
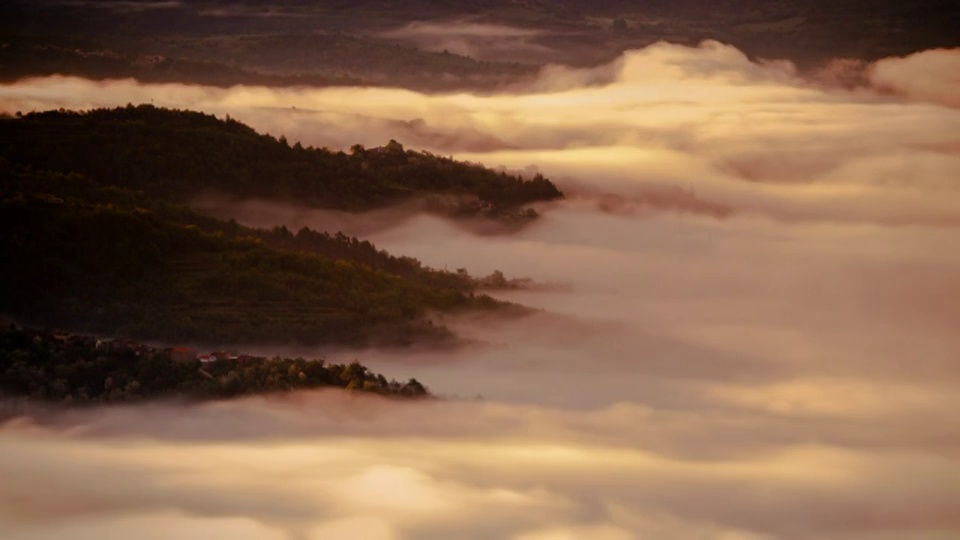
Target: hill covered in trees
{"x": 81, "y": 370}
{"x": 112, "y": 260}
{"x": 176, "y": 155}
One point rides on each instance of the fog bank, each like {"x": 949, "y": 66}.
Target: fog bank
{"x": 328, "y": 466}
{"x": 747, "y": 329}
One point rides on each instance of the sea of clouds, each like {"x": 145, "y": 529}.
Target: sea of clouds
{"x": 746, "y": 324}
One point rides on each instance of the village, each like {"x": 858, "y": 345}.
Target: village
{"x": 179, "y": 354}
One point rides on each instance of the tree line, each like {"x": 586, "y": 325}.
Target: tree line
{"x": 176, "y": 155}
{"x": 111, "y": 260}
{"x": 78, "y": 370}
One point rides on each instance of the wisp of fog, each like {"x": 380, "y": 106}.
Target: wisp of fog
{"x": 745, "y": 324}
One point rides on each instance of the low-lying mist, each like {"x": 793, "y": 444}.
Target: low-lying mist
{"x": 477, "y": 40}
{"x": 330, "y": 466}
{"x": 749, "y": 328}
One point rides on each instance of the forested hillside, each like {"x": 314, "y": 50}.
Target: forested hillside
{"x": 178, "y": 154}
{"x": 113, "y": 260}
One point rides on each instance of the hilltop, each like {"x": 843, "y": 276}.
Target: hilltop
{"x": 176, "y": 155}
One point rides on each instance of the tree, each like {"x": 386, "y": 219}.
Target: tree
{"x": 394, "y": 147}
{"x": 413, "y": 388}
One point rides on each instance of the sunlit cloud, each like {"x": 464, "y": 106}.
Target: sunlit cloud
{"x": 308, "y": 482}
{"x": 932, "y": 76}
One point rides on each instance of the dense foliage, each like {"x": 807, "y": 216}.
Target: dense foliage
{"x": 83, "y": 369}
{"x": 178, "y": 154}
{"x": 111, "y": 260}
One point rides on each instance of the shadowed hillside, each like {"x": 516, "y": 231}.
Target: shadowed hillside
{"x": 178, "y": 154}
{"x": 110, "y": 260}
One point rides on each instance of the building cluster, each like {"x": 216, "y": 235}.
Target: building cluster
{"x": 129, "y": 346}
{"x": 222, "y": 356}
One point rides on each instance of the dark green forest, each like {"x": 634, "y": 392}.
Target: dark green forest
{"x": 111, "y": 260}
{"x": 82, "y": 370}
{"x": 97, "y": 238}
{"x": 177, "y": 154}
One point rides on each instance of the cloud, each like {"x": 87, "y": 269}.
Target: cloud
{"x": 932, "y": 75}
{"x": 104, "y": 472}
{"x": 266, "y": 10}
{"x": 478, "y": 40}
